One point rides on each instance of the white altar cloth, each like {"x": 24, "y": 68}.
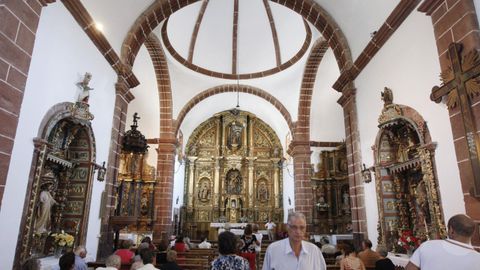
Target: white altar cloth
{"x": 47, "y": 263}
{"x": 398, "y": 259}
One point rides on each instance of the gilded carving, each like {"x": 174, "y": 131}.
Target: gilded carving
{"x": 226, "y": 179}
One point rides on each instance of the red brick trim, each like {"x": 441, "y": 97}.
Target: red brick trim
{"x": 310, "y": 11}
{"x": 456, "y": 21}
{"x": 276, "y": 44}
{"x": 396, "y": 18}
{"x": 105, "y": 244}
{"x": 163, "y": 82}
{"x": 354, "y": 160}
{"x": 234, "y": 37}
{"x": 18, "y": 27}
{"x": 46, "y": 2}
{"x": 193, "y": 40}
{"x": 325, "y": 144}
{"x": 429, "y": 6}
{"x": 233, "y": 88}
{"x": 302, "y": 129}
{"x": 181, "y": 60}
{"x": 86, "y": 22}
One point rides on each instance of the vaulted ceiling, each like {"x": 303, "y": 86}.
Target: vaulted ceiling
{"x": 211, "y": 43}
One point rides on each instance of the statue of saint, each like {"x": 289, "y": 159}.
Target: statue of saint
{"x": 204, "y": 191}
{"x": 235, "y": 135}
{"x": 346, "y": 202}
{"x": 85, "y": 89}
{"x": 234, "y": 182}
{"x": 387, "y": 96}
{"x": 43, "y": 221}
{"x": 262, "y": 192}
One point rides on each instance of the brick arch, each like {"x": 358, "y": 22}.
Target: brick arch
{"x": 308, "y": 9}
{"x": 233, "y": 88}
{"x": 163, "y": 83}
{"x": 302, "y": 128}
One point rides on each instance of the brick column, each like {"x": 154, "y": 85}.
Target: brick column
{"x": 18, "y": 26}
{"x": 456, "y": 21}
{"x": 352, "y": 141}
{"x": 162, "y": 227}
{"x": 300, "y": 151}
{"x": 122, "y": 98}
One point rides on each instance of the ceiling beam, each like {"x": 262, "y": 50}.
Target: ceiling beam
{"x": 276, "y": 44}
{"x": 193, "y": 40}
{"x": 394, "y": 20}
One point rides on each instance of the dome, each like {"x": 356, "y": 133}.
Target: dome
{"x": 232, "y": 38}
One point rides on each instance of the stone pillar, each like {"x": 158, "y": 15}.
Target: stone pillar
{"x": 300, "y": 151}
{"x": 162, "y": 227}
{"x": 191, "y": 177}
{"x": 276, "y": 181}
{"x": 122, "y": 98}
{"x": 251, "y": 168}
{"x": 456, "y": 21}
{"x": 352, "y": 141}
{"x": 216, "y": 179}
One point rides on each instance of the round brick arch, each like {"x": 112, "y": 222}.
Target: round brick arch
{"x": 233, "y": 88}
{"x": 302, "y": 128}
{"x": 308, "y": 9}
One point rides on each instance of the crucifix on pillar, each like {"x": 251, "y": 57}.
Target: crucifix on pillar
{"x": 460, "y": 84}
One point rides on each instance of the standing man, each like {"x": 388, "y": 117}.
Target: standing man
{"x": 271, "y": 230}
{"x": 293, "y": 253}
{"x": 367, "y": 255}
{"x": 80, "y": 254}
{"x": 456, "y": 252}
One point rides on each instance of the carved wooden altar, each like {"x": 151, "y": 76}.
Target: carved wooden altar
{"x": 59, "y": 191}
{"x": 135, "y": 185}
{"x": 330, "y": 186}
{"x": 233, "y": 173}
{"x": 407, "y": 189}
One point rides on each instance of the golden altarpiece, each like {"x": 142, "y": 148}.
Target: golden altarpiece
{"x": 60, "y": 184}
{"x": 135, "y": 185}
{"x": 233, "y": 173}
{"x": 331, "y": 214}
{"x": 407, "y": 189}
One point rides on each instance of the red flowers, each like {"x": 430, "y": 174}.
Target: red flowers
{"x": 407, "y": 240}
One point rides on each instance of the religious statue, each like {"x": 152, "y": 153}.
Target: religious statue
{"x": 135, "y": 119}
{"x": 85, "y": 89}
{"x": 387, "y": 96}
{"x": 234, "y": 185}
{"x": 204, "y": 192}
{"x": 262, "y": 192}
{"x": 235, "y": 135}
{"x": 346, "y": 202}
{"x": 43, "y": 221}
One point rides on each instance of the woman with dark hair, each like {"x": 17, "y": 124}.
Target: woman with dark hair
{"x": 249, "y": 242}
{"x": 148, "y": 240}
{"x": 126, "y": 255}
{"x": 351, "y": 261}
{"x": 180, "y": 246}
{"x": 67, "y": 261}
{"x": 228, "y": 260}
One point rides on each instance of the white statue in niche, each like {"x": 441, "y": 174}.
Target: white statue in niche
{"x": 43, "y": 221}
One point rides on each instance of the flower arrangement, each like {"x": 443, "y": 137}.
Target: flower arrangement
{"x": 407, "y": 240}
{"x": 63, "y": 239}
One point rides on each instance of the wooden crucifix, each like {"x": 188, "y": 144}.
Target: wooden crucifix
{"x": 460, "y": 84}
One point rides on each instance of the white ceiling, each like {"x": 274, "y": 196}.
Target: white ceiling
{"x": 356, "y": 18}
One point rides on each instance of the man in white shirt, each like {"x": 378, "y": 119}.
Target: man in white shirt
{"x": 271, "y": 230}
{"x": 293, "y": 253}
{"x": 204, "y": 244}
{"x": 456, "y": 252}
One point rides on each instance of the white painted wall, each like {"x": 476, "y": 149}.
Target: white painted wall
{"x": 178, "y": 184}
{"x": 408, "y": 64}
{"x": 62, "y": 54}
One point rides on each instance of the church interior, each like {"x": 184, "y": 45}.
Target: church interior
{"x": 126, "y": 119}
